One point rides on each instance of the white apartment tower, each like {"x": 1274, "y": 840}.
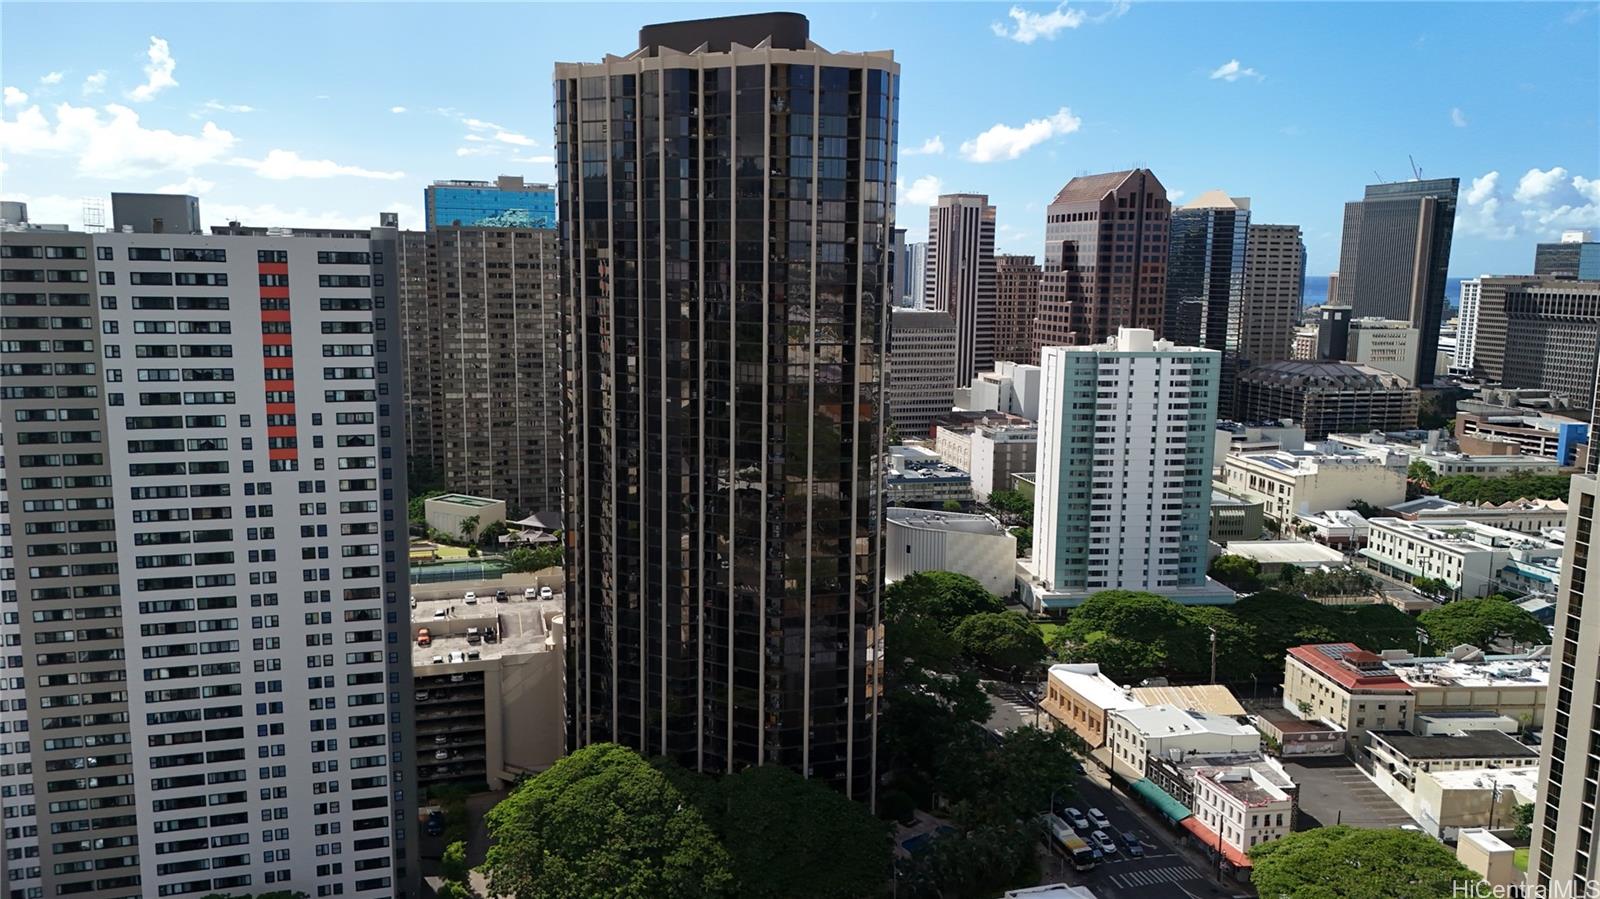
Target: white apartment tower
{"x": 1124, "y": 482}
{"x": 211, "y": 571}
{"x": 1467, "y": 325}
{"x": 960, "y": 276}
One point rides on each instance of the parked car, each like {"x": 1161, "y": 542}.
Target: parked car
{"x": 1133, "y": 844}
{"x": 422, "y": 696}
{"x": 423, "y": 637}
{"x": 441, "y": 754}
{"x": 457, "y": 657}
{"x": 1098, "y": 819}
{"x": 474, "y": 635}
{"x": 457, "y": 678}
{"x": 434, "y": 826}
{"x": 440, "y": 613}
{"x": 440, "y": 739}
{"x": 1102, "y": 842}
{"x": 1075, "y": 818}
{"x": 546, "y": 593}
{"x": 470, "y": 599}
{"x": 472, "y": 655}
{"x": 489, "y": 636}
{"x": 530, "y": 593}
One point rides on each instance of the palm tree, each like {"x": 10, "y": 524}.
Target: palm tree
{"x": 469, "y": 529}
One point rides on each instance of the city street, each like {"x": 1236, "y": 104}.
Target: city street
{"x": 1163, "y": 873}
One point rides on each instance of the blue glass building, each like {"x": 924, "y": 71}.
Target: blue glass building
{"x": 508, "y": 202}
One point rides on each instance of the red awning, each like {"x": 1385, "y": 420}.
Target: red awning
{"x": 1209, "y": 838}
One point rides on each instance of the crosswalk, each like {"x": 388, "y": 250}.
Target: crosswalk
{"x": 1148, "y": 877}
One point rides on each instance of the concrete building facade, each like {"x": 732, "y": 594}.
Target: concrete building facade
{"x": 1384, "y": 344}
{"x": 922, "y": 369}
{"x": 1328, "y": 397}
{"x": 973, "y": 545}
{"x": 960, "y": 276}
{"x": 1467, "y": 326}
{"x": 1011, "y": 388}
{"x": 1466, "y": 555}
{"x": 1274, "y": 290}
{"x": 991, "y": 453}
{"x": 1294, "y": 483}
{"x": 1016, "y": 307}
{"x": 1163, "y": 731}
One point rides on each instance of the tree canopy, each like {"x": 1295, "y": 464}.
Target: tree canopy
{"x": 943, "y": 597}
{"x": 1350, "y": 863}
{"x": 1471, "y": 488}
{"x": 538, "y": 558}
{"x": 1133, "y": 635}
{"x": 1482, "y": 623}
{"x": 603, "y": 822}
{"x": 1012, "y": 505}
{"x": 1237, "y": 573}
{"x": 1002, "y": 641}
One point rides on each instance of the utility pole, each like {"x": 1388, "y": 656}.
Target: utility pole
{"x": 1213, "y": 654}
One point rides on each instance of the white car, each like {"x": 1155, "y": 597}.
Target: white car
{"x": 546, "y": 593}
{"x": 530, "y": 593}
{"x": 422, "y": 696}
{"x": 470, "y": 599}
{"x": 440, "y": 613}
{"x": 440, "y": 739}
{"x": 1098, "y": 819}
{"x": 457, "y": 657}
{"x": 1103, "y": 843}
{"x": 442, "y": 754}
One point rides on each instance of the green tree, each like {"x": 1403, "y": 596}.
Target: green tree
{"x": 952, "y": 505}
{"x": 941, "y": 596}
{"x": 602, "y": 822}
{"x": 1351, "y": 863}
{"x": 1481, "y": 623}
{"x": 1421, "y": 473}
{"x": 538, "y": 558}
{"x": 453, "y": 863}
{"x": 453, "y": 889}
{"x": 492, "y": 533}
{"x": 1523, "y": 815}
{"x": 469, "y": 528}
{"x": 1013, "y": 505}
{"x": 1236, "y": 643}
{"x": 1024, "y": 541}
{"x": 1365, "y": 509}
{"x": 1432, "y": 586}
{"x": 827, "y": 846}
{"x": 1030, "y": 766}
{"x": 1237, "y": 573}
{"x": 983, "y": 860}
{"x": 1000, "y": 640}
{"x": 1468, "y": 488}
{"x": 1133, "y": 635}
{"x": 416, "y": 511}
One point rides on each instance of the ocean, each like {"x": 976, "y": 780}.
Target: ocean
{"x": 1317, "y": 291}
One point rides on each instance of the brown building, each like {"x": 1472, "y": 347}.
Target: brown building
{"x": 1016, "y": 305}
{"x": 1105, "y": 259}
{"x": 959, "y": 277}
{"x": 1274, "y": 285}
{"x": 483, "y": 362}
{"x": 1539, "y": 333}
{"x": 1328, "y": 397}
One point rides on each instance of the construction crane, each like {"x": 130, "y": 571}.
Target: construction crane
{"x": 1378, "y": 176}
{"x": 1416, "y": 170}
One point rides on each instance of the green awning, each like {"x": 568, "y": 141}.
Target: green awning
{"x": 1164, "y": 803}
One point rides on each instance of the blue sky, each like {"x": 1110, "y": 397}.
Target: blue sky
{"x": 302, "y": 114}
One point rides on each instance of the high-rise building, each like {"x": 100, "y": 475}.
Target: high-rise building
{"x": 506, "y": 202}
{"x": 916, "y": 268}
{"x": 960, "y": 276}
{"x": 480, "y": 323}
{"x": 1384, "y": 344}
{"x": 1395, "y": 257}
{"x": 724, "y": 307}
{"x": 900, "y": 271}
{"x": 1016, "y": 306}
{"x": 1552, "y": 336}
{"x": 922, "y": 369}
{"x": 1105, "y": 259}
{"x": 162, "y": 485}
{"x": 1124, "y": 483}
{"x": 1328, "y": 397}
{"x": 1205, "y": 271}
{"x": 1467, "y": 325}
{"x": 1564, "y": 851}
{"x": 1274, "y": 288}
{"x": 1574, "y": 258}
{"x": 1333, "y": 333}
{"x": 1333, "y": 289}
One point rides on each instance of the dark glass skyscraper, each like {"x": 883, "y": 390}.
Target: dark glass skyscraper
{"x": 725, "y": 206}
{"x": 1395, "y": 256}
{"x": 1205, "y": 280}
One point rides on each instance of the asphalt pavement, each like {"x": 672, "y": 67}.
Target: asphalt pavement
{"x": 1162, "y": 873}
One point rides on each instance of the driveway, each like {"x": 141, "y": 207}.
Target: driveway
{"x": 1334, "y": 791}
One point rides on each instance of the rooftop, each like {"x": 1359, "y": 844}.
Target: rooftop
{"x": 1324, "y": 375}
{"x": 1309, "y": 461}
{"x": 520, "y": 627}
{"x": 1096, "y": 689}
{"x": 1287, "y": 722}
{"x": 928, "y": 520}
{"x": 1467, "y": 666}
{"x": 461, "y": 499}
{"x": 1350, "y": 666}
{"x": 1169, "y": 721}
{"x": 1524, "y": 781}
{"x": 1213, "y": 698}
{"x": 1462, "y": 535}
{"x": 1090, "y": 188}
{"x": 1473, "y": 744}
{"x": 1301, "y": 553}
{"x": 1246, "y": 784}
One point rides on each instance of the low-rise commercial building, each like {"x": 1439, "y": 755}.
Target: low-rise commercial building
{"x": 1212, "y": 698}
{"x": 1245, "y": 805}
{"x": 1296, "y": 737}
{"x": 1346, "y": 686}
{"x": 1255, "y": 437}
{"x": 973, "y": 545}
{"x": 990, "y": 452}
{"x": 1431, "y": 448}
{"x": 1343, "y": 529}
{"x": 1512, "y": 685}
{"x": 1303, "y": 482}
{"x": 1135, "y": 734}
{"x": 1275, "y": 555}
{"x": 1080, "y": 697}
{"x": 1234, "y": 516}
{"x": 1448, "y": 802}
{"x": 1448, "y": 782}
{"x": 1483, "y": 429}
{"x": 1471, "y": 558}
{"x": 1525, "y": 516}
{"x": 1328, "y": 397}
{"x": 449, "y": 512}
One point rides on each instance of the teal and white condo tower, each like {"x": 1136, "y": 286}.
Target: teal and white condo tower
{"x": 1124, "y": 482}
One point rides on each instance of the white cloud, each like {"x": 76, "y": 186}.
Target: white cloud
{"x": 189, "y": 185}
{"x": 1175, "y": 195}
{"x": 158, "y": 74}
{"x": 478, "y": 150}
{"x": 924, "y": 191}
{"x": 481, "y": 125}
{"x": 283, "y": 165}
{"x": 272, "y": 215}
{"x": 1588, "y": 188}
{"x": 1482, "y": 189}
{"x": 1006, "y": 142}
{"x": 1232, "y": 71}
{"x": 52, "y": 209}
{"x": 228, "y": 107}
{"x": 536, "y": 160}
{"x": 1457, "y": 117}
{"x": 933, "y": 146}
{"x": 397, "y": 109}
{"x": 1027, "y": 27}
{"x": 94, "y": 84}
{"x": 515, "y": 139}
{"x": 1481, "y": 215}
{"x": 15, "y": 97}
{"x": 113, "y": 145}
{"x": 1537, "y": 185}
{"x": 52, "y": 78}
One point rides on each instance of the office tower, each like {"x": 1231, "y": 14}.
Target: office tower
{"x": 1467, "y": 325}
{"x": 1384, "y": 344}
{"x": 508, "y": 202}
{"x": 1205, "y": 271}
{"x": 900, "y": 271}
{"x": 163, "y": 524}
{"x": 1328, "y": 397}
{"x": 1016, "y": 305}
{"x": 1274, "y": 289}
{"x": 1124, "y": 486}
{"x": 1105, "y": 259}
{"x": 155, "y": 213}
{"x": 1305, "y": 342}
{"x": 725, "y": 394}
{"x": 1575, "y": 258}
{"x": 1333, "y": 289}
{"x": 1552, "y": 335}
{"x": 1333, "y": 333}
{"x": 922, "y": 369}
{"x": 1564, "y": 849}
{"x": 480, "y": 323}
{"x": 960, "y": 276}
{"x": 1395, "y": 256}
{"x": 916, "y": 268}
